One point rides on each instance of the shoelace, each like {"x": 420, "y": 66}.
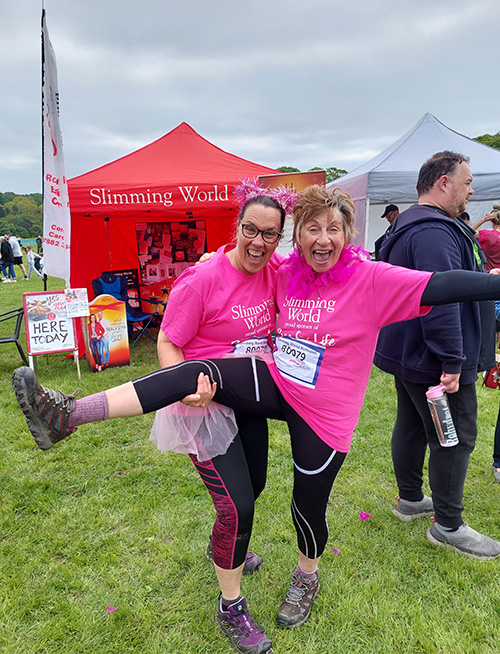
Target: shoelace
{"x": 296, "y": 590}
{"x": 245, "y": 624}
{"x": 59, "y": 398}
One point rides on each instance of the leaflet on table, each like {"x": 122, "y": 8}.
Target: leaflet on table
{"x": 77, "y": 302}
{"x": 298, "y": 360}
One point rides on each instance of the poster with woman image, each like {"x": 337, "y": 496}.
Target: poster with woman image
{"x": 106, "y": 337}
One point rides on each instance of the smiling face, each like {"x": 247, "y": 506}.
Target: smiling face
{"x": 322, "y": 240}
{"x": 251, "y": 254}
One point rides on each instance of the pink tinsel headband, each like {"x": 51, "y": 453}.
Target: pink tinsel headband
{"x": 250, "y": 188}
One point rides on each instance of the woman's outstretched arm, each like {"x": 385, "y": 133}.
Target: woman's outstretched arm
{"x": 461, "y": 286}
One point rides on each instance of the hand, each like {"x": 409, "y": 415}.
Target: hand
{"x": 204, "y": 392}
{"x": 205, "y": 257}
{"x": 450, "y": 382}
{"x": 494, "y": 271}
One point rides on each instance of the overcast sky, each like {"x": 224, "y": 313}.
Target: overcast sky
{"x": 280, "y": 82}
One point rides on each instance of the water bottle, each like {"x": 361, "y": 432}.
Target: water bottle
{"x": 441, "y": 416}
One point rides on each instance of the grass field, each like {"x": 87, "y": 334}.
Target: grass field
{"x": 104, "y": 520}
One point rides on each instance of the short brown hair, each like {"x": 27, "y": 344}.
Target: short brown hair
{"x": 315, "y": 200}
{"x": 441, "y": 163}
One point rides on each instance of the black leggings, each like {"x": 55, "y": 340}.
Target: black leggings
{"x": 234, "y": 481}
{"x": 246, "y": 386}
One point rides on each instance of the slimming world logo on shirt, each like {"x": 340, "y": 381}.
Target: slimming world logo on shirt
{"x": 307, "y": 311}
{"x": 254, "y": 316}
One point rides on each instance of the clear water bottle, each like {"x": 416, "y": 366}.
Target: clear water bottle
{"x": 441, "y": 416}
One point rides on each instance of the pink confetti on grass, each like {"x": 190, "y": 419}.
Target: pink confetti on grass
{"x": 335, "y": 551}
{"x": 365, "y": 516}
{"x": 111, "y": 608}
{"x": 120, "y": 472}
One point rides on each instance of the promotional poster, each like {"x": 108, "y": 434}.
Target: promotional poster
{"x": 106, "y": 337}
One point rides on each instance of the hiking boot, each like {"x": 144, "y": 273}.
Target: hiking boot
{"x": 407, "y": 510}
{"x": 47, "y": 412}
{"x": 252, "y": 561}
{"x": 465, "y": 540}
{"x": 245, "y": 634}
{"x": 296, "y": 608}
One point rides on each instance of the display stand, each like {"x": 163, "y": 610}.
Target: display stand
{"x": 49, "y": 328}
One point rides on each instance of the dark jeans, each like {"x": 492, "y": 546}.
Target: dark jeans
{"x": 414, "y": 431}
{"x": 8, "y": 269}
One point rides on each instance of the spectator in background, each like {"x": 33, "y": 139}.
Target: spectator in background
{"x": 16, "y": 250}
{"x": 489, "y": 239}
{"x": 7, "y": 260}
{"x": 31, "y": 257}
{"x": 391, "y": 213}
{"x": 490, "y": 242}
{"x": 39, "y": 243}
{"x": 442, "y": 346}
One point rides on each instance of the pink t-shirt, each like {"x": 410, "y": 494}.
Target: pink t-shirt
{"x": 215, "y": 309}
{"x": 489, "y": 240}
{"x": 326, "y": 341}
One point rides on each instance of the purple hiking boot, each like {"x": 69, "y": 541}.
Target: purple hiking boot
{"x": 246, "y": 636}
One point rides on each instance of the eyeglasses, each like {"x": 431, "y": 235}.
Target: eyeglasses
{"x": 268, "y": 235}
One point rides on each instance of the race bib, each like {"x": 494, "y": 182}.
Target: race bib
{"x": 298, "y": 360}
{"x": 252, "y": 347}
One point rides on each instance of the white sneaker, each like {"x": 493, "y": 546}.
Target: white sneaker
{"x": 14, "y": 281}
{"x": 5, "y": 281}
{"x": 465, "y": 540}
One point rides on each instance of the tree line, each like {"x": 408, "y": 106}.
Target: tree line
{"x": 23, "y": 216}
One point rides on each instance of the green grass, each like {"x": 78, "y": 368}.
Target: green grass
{"x": 76, "y": 538}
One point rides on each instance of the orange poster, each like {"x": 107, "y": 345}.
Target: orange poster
{"x": 106, "y": 337}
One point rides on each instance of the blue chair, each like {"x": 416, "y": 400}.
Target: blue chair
{"x": 138, "y": 321}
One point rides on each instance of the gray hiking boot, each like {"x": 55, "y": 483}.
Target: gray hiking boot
{"x": 297, "y": 605}
{"x": 407, "y": 510}
{"x": 47, "y": 412}
{"x": 465, "y": 540}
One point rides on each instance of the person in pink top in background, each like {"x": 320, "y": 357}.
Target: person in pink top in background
{"x": 332, "y": 303}
{"x": 489, "y": 239}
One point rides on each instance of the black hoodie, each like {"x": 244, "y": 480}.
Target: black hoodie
{"x": 448, "y": 338}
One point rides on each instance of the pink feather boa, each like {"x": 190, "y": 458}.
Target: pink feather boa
{"x": 302, "y": 276}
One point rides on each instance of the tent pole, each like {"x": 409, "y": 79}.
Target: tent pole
{"x": 367, "y": 220}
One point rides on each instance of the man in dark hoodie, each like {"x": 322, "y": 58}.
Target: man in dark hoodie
{"x": 442, "y": 347}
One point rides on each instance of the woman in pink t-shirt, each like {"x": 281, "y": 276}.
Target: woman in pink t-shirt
{"x": 489, "y": 239}
{"x": 333, "y": 302}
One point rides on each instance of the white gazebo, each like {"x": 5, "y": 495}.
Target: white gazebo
{"x": 391, "y": 176}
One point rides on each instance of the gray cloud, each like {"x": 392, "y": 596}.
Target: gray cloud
{"x": 279, "y": 82}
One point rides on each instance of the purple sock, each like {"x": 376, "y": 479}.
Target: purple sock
{"x": 89, "y": 409}
{"x": 306, "y": 575}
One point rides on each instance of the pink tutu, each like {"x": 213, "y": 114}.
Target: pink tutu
{"x": 206, "y": 432}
